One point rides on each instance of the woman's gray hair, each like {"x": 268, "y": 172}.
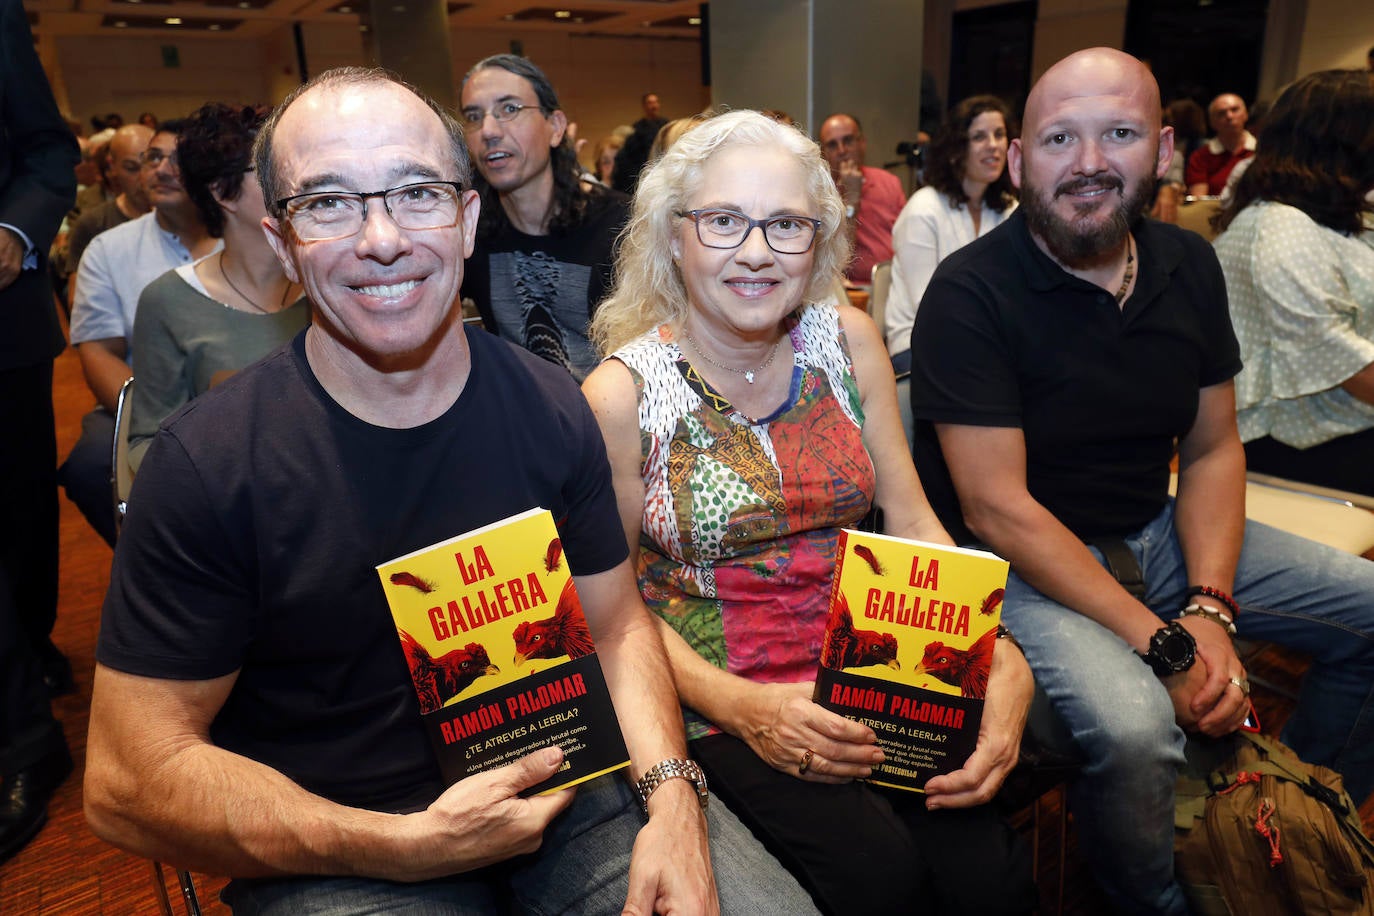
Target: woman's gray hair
{"x": 649, "y": 289}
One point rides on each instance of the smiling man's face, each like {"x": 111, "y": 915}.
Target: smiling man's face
{"x": 384, "y": 291}
{"x": 1090, "y": 153}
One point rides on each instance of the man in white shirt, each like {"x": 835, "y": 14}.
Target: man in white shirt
{"x": 115, "y": 268}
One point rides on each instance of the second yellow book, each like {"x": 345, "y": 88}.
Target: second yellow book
{"x": 908, "y": 649}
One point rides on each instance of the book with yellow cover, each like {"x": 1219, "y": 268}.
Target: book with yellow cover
{"x": 500, "y": 653}
{"x": 908, "y": 649}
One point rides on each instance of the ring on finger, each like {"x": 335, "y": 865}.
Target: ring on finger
{"x": 805, "y": 762}
{"x": 1243, "y": 683}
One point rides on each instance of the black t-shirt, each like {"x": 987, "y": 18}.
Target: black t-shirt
{"x": 539, "y": 291}
{"x": 1005, "y": 337}
{"x": 256, "y": 522}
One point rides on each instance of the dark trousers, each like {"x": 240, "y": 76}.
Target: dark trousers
{"x": 28, "y": 562}
{"x": 86, "y": 473}
{"x": 28, "y": 731}
{"x": 28, "y": 496}
{"x": 1344, "y": 463}
{"x": 860, "y": 849}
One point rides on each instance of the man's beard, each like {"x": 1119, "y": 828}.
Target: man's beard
{"x": 1079, "y": 244}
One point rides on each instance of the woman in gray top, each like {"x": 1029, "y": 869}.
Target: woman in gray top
{"x": 200, "y": 323}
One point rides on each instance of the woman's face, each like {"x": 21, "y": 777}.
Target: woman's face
{"x": 606, "y": 163}
{"x": 987, "y": 148}
{"x": 745, "y": 292}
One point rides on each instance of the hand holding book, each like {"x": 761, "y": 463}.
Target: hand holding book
{"x": 484, "y": 818}
{"x": 911, "y": 650}
{"x": 1010, "y": 687}
{"x": 780, "y": 723}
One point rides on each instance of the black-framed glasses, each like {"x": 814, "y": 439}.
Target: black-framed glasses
{"x": 324, "y": 215}
{"x": 153, "y": 158}
{"x": 473, "y": 118}
{"x": 729, "y": 229}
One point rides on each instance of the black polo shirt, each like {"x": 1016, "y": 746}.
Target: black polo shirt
{"x": 1005, "y": 337}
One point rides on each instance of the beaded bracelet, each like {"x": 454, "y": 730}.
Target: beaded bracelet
{"x": 1212, "y": 614}
{"x": 1217, "y": 594}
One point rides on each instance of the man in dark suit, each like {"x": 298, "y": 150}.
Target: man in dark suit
{"x": 38, "y": 155}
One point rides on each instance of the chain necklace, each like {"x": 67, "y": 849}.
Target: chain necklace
{"x": 235, "y": 287}
{"x": 1130, "y": 271}
{"x": 747, "y": 373}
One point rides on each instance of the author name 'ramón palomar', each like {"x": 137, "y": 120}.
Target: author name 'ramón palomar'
{"x": 500, "y": 669}
{"x": 913, "y": 662}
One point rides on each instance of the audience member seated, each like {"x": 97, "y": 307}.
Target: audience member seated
{"x": 545, "y": 242}
{"x": 671, "y": 133}
{"x": 253, "y": 714}
{"x": 872, "y": 197}
{"x": 1058, "y": 364}
{"x": 1299, "y": 268}
{"x": 1190, "y": 131}
{"x": 198, "y": 324}
{"x": 727, "y": 379}
{"x": 131, "y": 201}
{"x": 115, "y": 268}
{"x": 94, "y": 186}
{"x": 968, "y": 194}
{"x": 603, "y": 157}
{"x": 1209, "y": 165}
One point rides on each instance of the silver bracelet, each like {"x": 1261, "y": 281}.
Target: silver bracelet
{"x": 1220, "y": 618}
{"x": 672, "y": 768}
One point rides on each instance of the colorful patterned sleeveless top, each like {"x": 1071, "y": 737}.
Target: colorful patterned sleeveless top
{"x": 742, "y": 517}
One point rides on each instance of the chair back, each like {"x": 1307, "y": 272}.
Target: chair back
{"x": 121, "y": 472}
{"x": 1196, "y": 213}
{"x": 877, "y": 297}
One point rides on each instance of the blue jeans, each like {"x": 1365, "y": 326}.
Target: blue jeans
{"x": 582, "y": 868}
{"x": 1291, "y": 591}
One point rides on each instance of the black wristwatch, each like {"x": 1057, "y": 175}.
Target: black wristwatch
{"x": 1172, "y": 649}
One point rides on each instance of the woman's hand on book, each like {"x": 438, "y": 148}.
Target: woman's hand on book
{"x": 1010, "y": 688}
{"x": 781, "y": 724}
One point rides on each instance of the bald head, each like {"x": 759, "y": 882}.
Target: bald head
{"x": 1228, "y": 116}
{"x": 1093, "y": 74}
{"x": 126, "y": 146}
{"x": 1089, "y": 153}
{"x": 842, "y": 140}
{"x": 130, "y": 140}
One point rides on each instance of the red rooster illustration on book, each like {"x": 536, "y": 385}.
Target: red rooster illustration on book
{"x": 565, "y": 633}
{"x": 848, "y": 647}
{"x": 966, "y": 669}
{"x": 438, "y": 680}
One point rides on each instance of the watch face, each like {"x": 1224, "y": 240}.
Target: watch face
{"x": 1175, "y": 647}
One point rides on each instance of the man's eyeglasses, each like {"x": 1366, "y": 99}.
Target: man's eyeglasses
{"x": 325, "y": 215}
{"x": 729, "y": 229}
{"x": 503, "y": 111}
{"x": 152, "y": 158}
